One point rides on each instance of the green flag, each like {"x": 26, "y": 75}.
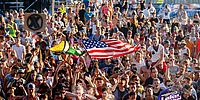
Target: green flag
{"x": 74, "y": 52}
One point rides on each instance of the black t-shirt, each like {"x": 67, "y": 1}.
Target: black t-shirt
{"x": 179, "y": 39}
{"x": 157, "y": 94}
{"x": 81, "y": 14}
{"x": 125, "y": 7}
{"x": 124, "y": 30}
{"x": 80, "y": 27}
{"x": 41, "y": 44}
{"x": 28, "y": 57}
{"x": 140, "y": 19}
{"x": 120, "y": 94}
{"x": 142, "y": 5}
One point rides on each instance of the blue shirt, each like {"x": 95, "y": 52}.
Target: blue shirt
{"x": 88, "y": 16}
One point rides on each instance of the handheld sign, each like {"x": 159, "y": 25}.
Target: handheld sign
{"x": 168, "y": 94}
{"x": 35, "y": 22}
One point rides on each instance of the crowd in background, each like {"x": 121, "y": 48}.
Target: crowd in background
{"x": 168, "y": 57}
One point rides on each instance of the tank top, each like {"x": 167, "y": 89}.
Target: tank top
{"x": 12, "y": 31}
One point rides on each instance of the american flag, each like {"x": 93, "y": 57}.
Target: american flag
{"x": 108, "y": 48}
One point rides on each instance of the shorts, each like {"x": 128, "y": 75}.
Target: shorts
{"x": 166, "y": 21}
{"x": 164, "y": 67}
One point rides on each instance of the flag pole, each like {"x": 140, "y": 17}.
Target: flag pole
{"x": 82, "y": 45}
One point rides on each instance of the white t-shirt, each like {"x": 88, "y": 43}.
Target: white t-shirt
{"x": 166, "y": 13}
{"x": 19, "y": 51}
{"x": 139, "y": 64}
{"x": 182, "y": 52}
{"x": 146, "y": 12}
{"x": 155, "y": 54}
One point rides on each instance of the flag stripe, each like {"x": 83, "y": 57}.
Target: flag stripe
{"x": 109, "y": 50}
{"x": 100, "y": 53}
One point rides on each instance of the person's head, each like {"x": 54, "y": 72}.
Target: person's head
{"x": 167, "y": 43}
{"x": 181, "y": 33}
{"x": 21, "y": 72}
{"x": 182, "y": 70}
{"x": 88, "y": 9}
{"x": 46, "y": 71}
{"x": 181, "y": 6}
{"x": 141, "y": 14}
{"x": 129, "y": 35}
{"x": 14, "y": 70}
{"x": 79, "y": 90}
{"x": 117, "y": 9}
{"x": 194, "y": 62}
{"x": 122, "y": 82}
{"x": 138, "y": 55}
{"x": 155, "y": 41}
{"x": 171, "y": 50}
{"x": 196, "y": 76}
{"x": 168, "y": 83}
{"x": 132, "y": 86}
{"x": 17, "y": 41}
{"x": 196, "y": 15}
{"x": 183, "y": 43}
{"x": 153, "y": 72}
{"x": 187, "y": 81}
{"x": 156, "y": 83}
{"x": 62, "y": 89}
{"x": 39, "y": 79}
{"x": 99, "y": 82}
{"x": 154, "y": 14}
{"x": 2, "y": 38}
{"x": 149, "y": 91}
{"x": 187, "y": 91}
{"x": 31, "y": 89}
{"x": 44, "y": 97}
{"x": 19, "y": 82}
{"x": 33, "y": 75}
{"x": 40, "y": 37}
{"x": 105, "y": 94}
{"x": 171, "y": 60}
{"x": 10, "y": 18}
{"x": 186, "y": 63}
{"x": 137, "y": 36}
{"x": 114, "y": 62}
{"x": 125, "y": 60}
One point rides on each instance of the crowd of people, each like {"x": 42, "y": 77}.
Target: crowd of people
{"x": 168, "y": 57}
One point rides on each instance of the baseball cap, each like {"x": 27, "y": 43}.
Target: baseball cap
{"x": 166, "y": 42}
{"x": 39, "y": 77}
{"x": 31, "y": 86}
{"x": 21, "y": 70}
